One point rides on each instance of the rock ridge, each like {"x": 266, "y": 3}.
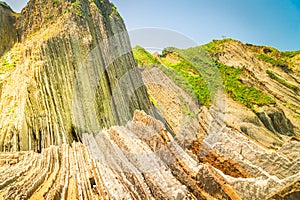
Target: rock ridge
{"x": 71, "y": 72}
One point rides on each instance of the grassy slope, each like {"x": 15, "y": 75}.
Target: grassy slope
{"x": 145, "y": 59}
{"x": 282, "y": 60}
{"x": 199, "y": 71}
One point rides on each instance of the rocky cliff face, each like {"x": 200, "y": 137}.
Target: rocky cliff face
{"x": 71, "y": 72}
{"x": 8, "y": 30}
{"x": 259, "y": 84}
{"x": 251, "y": 128}
{"x": 69, "y": 88}
{"x": 141, "y": 160}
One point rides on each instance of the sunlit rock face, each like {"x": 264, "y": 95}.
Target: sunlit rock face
{"x": 141, "y": 160}
{"x": 75, "y": 120}
{"x": 71, "y": 72}
{"x": 8, "y": 30}
{"x": 252, "y": 148}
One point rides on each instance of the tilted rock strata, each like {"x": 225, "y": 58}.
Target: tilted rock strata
{"x": 120, "y": 163}
{"x": 237, "y": 54}
{"x": 76, "y": 74}
{"x": 270, "y": 124}
{"x": 254, "y": 149}
{"x": 8, "y": 30}
{"x": 142, "y": 161}
{"x": 174, "y": 104}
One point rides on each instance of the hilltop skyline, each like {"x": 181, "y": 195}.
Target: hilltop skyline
{"x": 260, "y": 22}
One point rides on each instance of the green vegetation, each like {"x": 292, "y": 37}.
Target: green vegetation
{"x": 247, "y": 95}
{"x": 187, "y": 71}
{"x": 8, "y": 61}
{"x": 282, "y": 81}
{"x": 5, "y": 66}
{"x": 77, "y": 8}
{"x": 215, "y": 46}
{"x": 279, "y": 59}
{"x": 296, "y": 116}
{"x": 272, "y": 61}
{"x": 4, "y": 5}
{"x": 195, "y": 72}
{"x": 153, "y": 101}
{"x": 168, "y": 50}
{"x": 67, "y": 10}
{"x": 10, "y": 112}
{"x": 114, "y": 8}
{"x": 212, "y": 71}
{"x": 290, "y": 54}
{"x": 49, "y": 17}
{"x": 55, "y": 1}
{"x": 144, "y": 58}
{"x": 186, "y": 111}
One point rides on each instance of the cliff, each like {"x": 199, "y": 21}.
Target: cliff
{"x": 69, "y": 90}
{"x": 232, "y": 100}
{"x": 71, "y": 72}
{"x": 251, "y": 88}
{"x": 8, "y": 30}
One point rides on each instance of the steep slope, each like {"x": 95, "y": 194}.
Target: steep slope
{"x": 241, "y": 117}
{"x": 70, "y": 80}
{"x": 250, "y": 100}
{"x": 274, "y": 72}
{"x": 72, "y": 72}
{"x": 8, "y": 30}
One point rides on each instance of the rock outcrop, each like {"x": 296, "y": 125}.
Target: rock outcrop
{"x": 141, "y": 160}
{"x": 252, "y": 147}
{"x": 267, "y": 121}
{"x": 274, "y": 72}
{"x": 8, "y": 29}
{"x": 71, "y": 72}
{"x": 75, "y": 120}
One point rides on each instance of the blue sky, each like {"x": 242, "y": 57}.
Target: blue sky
{"x": 263, "y": 22}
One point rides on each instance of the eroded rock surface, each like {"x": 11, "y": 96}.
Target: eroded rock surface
{"x": 252, "y": 149}
{"x": 68, "y": 90}
{"x": 72, "y": 72}
{"x": 8, "y": 30}
{"x": 141, "y": 160}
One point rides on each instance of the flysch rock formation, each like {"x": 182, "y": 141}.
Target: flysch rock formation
{"x": 71, "y": 71}
{"x": 175, "y": 105}
{"x": 141, "y": 160}
{"x": 8, "y": 31}
{"x": 262, "y": 141}
{"x": 75, "y": 120}
{"x": 237, "y": 54}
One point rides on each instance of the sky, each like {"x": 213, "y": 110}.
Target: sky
{"x": 262, "y": 22}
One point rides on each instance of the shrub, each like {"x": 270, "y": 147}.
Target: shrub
{"x": 247, "y": 95}
{"x": 6, "y": 66}
{"x": 282, "y": 81}
{"x": 49, "y": 17}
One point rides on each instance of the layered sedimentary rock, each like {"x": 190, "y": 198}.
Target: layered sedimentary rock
{"x": 71, "y": 72}
{"x": 8, "y": 30}
{"x": 69, "y": 88}
{"x": 272, "y": 75}
{"x": 272, "y": 71}
{"x": 141, "y": 160}
{"x": 257, "y": 143}
{"x": 175, "y": 105}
